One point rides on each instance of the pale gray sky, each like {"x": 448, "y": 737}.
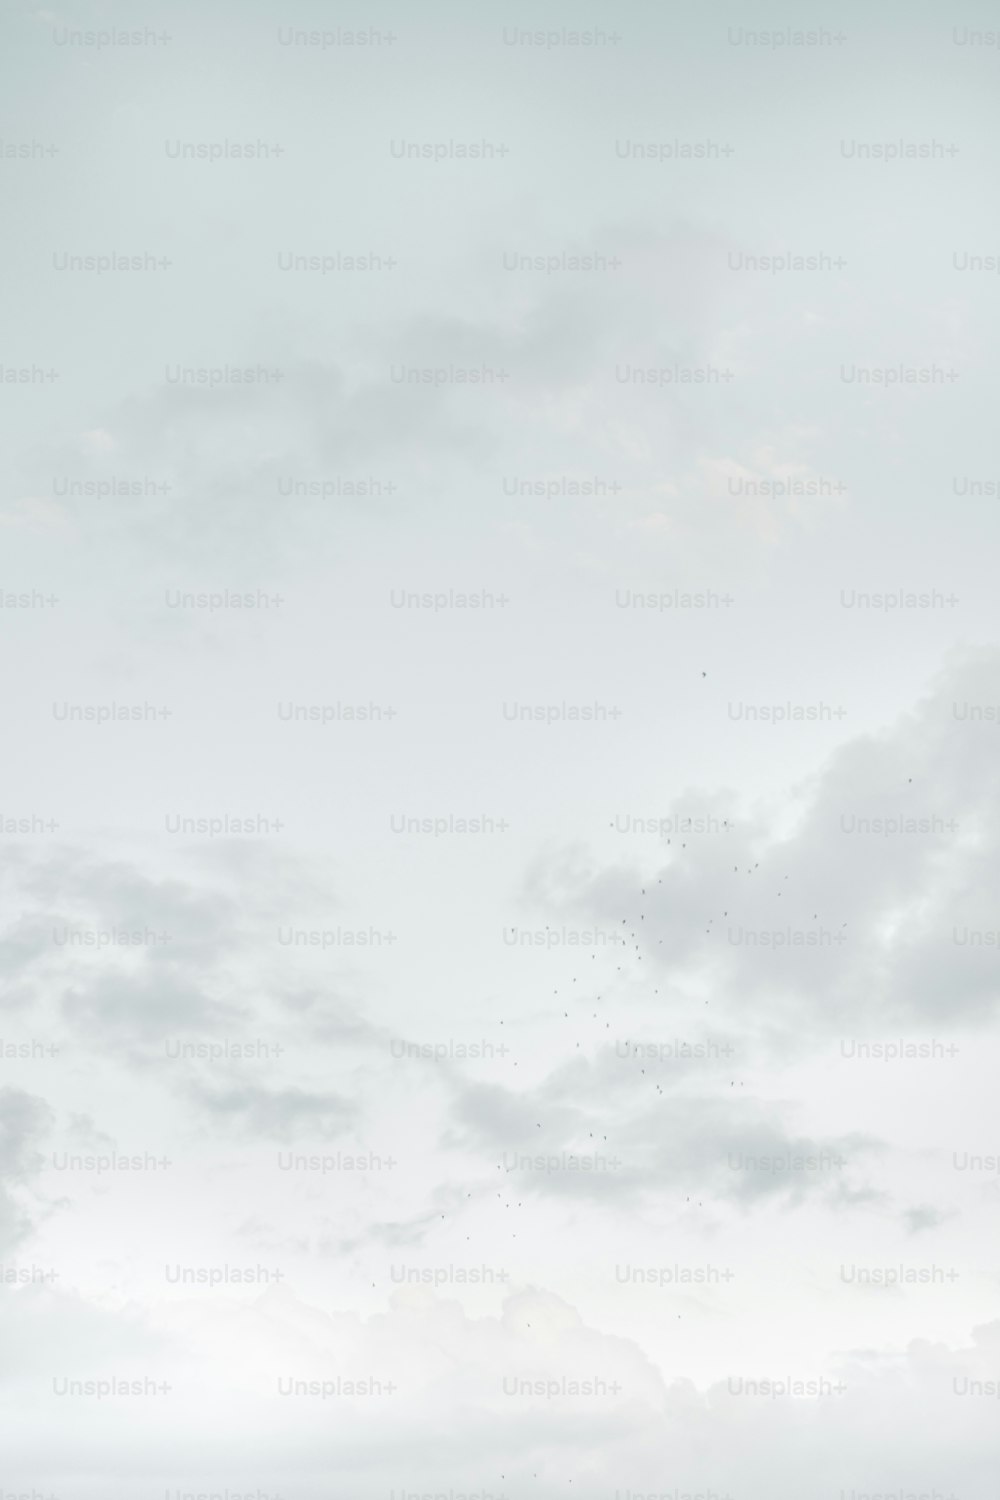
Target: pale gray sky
{"x": 501, "y": 803}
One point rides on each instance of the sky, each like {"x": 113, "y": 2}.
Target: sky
{"x": 500, "y": 817}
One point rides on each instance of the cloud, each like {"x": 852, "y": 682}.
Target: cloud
{"x": 845, "y": 921}
{"x": 25, "y": 1119}
{"x": 277, "y": 1114}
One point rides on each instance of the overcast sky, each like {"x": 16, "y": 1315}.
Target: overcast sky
{"x": 501, "y": 705}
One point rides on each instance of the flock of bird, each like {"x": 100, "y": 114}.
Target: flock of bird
{"x": 638, "y": 943}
